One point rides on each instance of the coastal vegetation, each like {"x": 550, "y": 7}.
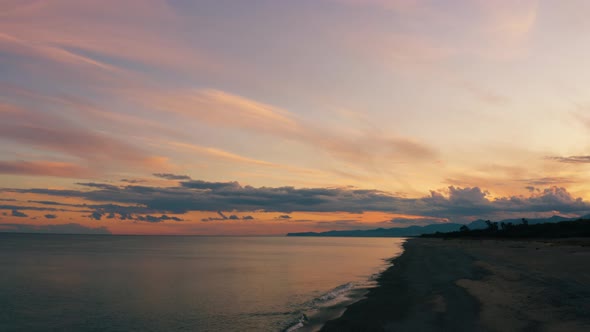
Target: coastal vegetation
{"x": 563, "y": 229}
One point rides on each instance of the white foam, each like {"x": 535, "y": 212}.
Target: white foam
{"x": 335, "y": 293}
{"x": 300, "y": 323}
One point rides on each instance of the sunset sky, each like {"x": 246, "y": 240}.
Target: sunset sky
{"x": 267, "y": 117}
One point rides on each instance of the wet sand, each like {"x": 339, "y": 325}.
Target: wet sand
{"x": 478, "y": 285}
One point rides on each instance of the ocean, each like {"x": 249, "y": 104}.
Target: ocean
{"x": 182, "y": 283}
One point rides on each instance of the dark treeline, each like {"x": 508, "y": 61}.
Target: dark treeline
{"x": 576, "y": 228}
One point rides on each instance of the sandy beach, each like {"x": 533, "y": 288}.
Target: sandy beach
{"x": 478, "y": 285}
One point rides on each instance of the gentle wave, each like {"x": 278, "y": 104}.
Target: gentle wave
{"x": 335, "y": 293}
{"x": 301, "y": 321}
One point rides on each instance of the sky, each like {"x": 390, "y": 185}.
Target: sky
{"x": 267, "y": 117}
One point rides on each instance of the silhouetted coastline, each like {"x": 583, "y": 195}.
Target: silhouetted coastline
{"x": 563, "y": 229}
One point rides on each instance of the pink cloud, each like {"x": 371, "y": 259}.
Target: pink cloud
{"x": 396, "y": 5}
{"x": 44, "y": 168}
{"x": 49, "y": 132}
{"x": 143, "y": 31}
{"x": 231, "y": 111}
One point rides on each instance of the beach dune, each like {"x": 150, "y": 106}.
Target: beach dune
{"x": 478, "y": 285}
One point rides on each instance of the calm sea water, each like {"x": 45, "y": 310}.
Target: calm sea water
{"x": 159, "y": 283}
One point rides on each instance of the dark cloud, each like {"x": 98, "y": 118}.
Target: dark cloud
{"x": 50, "y": 216}
{"x": 198, "y": 184}
{"x": 453, "y": 203}
{"x": 169, "y": 176}
{"x": 16, "y": 213}
{"x": 125, "y": 216}
{"x": 224, "y": 217}
{"x": 547, "y": 181}
{"x": 221, "y": 215}
{"x": 49, "y": 203}
{"x": 149, "y": 218}
{"x": 22, "y": 207}
{"x": 53, "y": 229}
{"x": 96, "y": 215}
{"x": 45, "y": 209}
{"x": 107, "y": 211}
{"x": 132, "y": 180}
{"x": 284, "y": 216}
{"x": 571, "y": 159}
{"x": 119, "y": 209}
{"x": 98, "y": 185}
{"x": 463, "y": 204}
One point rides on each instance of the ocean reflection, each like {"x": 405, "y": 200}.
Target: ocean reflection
{"x": 160, "y": 283}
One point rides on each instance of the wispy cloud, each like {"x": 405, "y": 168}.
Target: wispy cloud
{"x": 222, "y": 109}
{"x": 10, "y": 43}
{"x": 218, "y": 153}
{"x": 169, "y": 176}
{"x": 548, "y": 181}
{"x": 50, "y": 132}
{"x": 45, "y": 168}
{"x": 136, "y": 31}
{"x": 571, "y": 159}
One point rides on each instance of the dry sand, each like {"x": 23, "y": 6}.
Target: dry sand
{"x": 478, "y": 285}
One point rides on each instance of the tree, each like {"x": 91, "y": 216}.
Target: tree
{"x": 464, "y": 229}
{"x": 492, "y": 226}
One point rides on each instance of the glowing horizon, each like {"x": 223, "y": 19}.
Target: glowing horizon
{"x": 169, "y": 117}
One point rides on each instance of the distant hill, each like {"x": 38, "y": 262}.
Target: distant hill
{"x": 387, "y": 232}
{"x": 428, "y": 229}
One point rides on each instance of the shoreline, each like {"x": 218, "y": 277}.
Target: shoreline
{"x": 315, "y": 320}
{"x": 477, "y": 285}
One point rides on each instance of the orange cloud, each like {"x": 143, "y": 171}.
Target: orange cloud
{"x": 226, "y": 110}
{"x": 232, "y": 157}
{"x": 220, "y": 154}
{"x": 220, "y": 108}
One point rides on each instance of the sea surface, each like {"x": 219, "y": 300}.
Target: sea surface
{"x": 182, "y": 283}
